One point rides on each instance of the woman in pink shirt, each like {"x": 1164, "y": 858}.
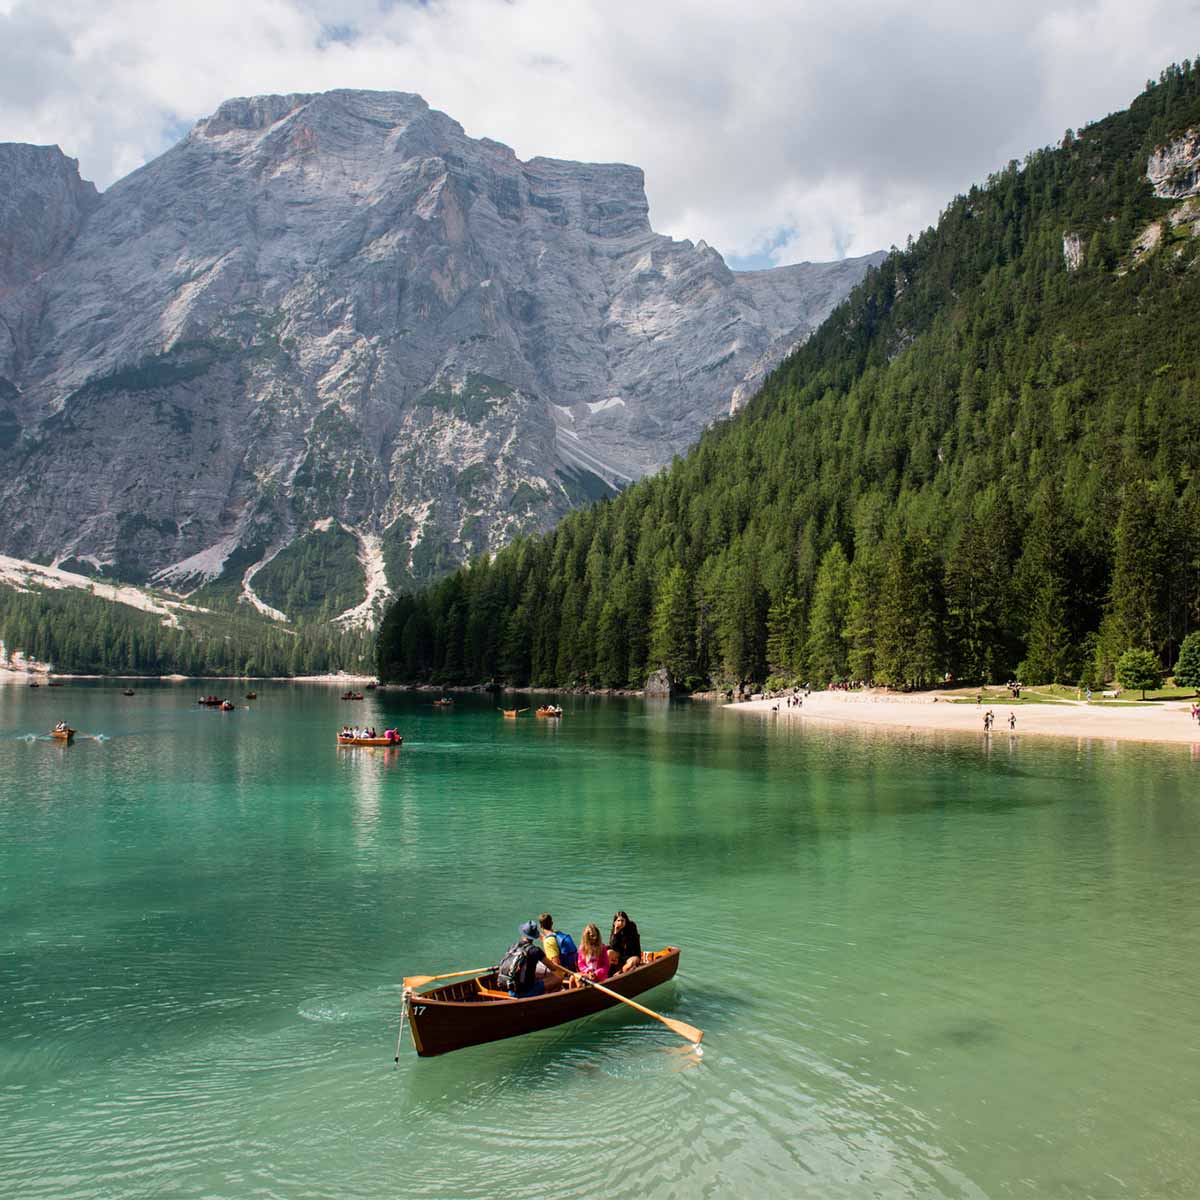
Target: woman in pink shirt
{"x": 593, "y": 955}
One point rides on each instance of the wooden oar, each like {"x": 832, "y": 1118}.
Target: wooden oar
{"x": 415, "y": 981}
{"x": 682, "y": 1028}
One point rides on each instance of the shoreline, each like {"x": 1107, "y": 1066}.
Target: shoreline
{"x": 1166, "y": 722}
{"x": 18, "y": 677}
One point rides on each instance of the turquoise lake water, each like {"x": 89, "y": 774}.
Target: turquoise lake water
{"x": 925, "y": 966}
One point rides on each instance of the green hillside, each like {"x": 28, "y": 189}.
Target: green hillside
{"x": 985, "y": 462}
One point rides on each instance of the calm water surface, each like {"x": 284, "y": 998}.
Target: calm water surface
{"x": 925, "y": 967}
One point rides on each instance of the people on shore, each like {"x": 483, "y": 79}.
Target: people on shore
{"x": 517, "y": 972}
{"x": 624, "y": 944}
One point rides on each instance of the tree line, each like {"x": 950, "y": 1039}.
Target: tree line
{"x": 986, "y": 462}
{"x": 81, "y": 633}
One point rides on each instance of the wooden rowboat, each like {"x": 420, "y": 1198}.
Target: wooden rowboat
{"x": 549, "y": 711}
{"x": 513, "y": 713}
{"x": 443, "y": 704}
{"x": 473, "y": 1012}
{"x": 63, "y": 735}
{"x": 375, "y": 741}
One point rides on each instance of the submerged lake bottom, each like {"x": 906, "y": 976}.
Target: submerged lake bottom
{"x": 925, "y": 965}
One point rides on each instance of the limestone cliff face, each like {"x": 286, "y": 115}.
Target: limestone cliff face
{"x": 1174, "y": 169}
{"x": 43, "y": 205}
{"x": 339, "y": 308}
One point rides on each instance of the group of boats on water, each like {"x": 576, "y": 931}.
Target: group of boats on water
{"x": 348, "y": 735}
{"x": 390, "y": 737}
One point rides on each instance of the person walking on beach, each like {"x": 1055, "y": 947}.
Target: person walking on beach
{"x": 1012, "y": 722}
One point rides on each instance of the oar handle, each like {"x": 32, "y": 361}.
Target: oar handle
{"x": 412, "y": 981}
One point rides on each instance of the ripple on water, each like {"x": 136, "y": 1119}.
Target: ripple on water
{"x": 324, "y": 1013}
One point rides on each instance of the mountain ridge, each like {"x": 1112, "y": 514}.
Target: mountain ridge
{"x": 339, "y": 307}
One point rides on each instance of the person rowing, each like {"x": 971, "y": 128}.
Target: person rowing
{"x": 517, "y": 972}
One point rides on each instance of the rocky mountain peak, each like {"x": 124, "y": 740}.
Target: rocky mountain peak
{"x": 334, "y": 322}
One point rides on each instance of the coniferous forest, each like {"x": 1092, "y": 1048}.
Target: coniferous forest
{"x": 985, "y": 462}
{"x": 77, "y": 632}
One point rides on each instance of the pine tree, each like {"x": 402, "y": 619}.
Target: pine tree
{"x": 826, "y": 653}
{"x": 1187, "y": 669}
{"x": 1139, "y": 570}
{"x": 859, "y": 632}
{"x": 672, "y": 625}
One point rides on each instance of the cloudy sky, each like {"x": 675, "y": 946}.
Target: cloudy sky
{"x": 777, "y": 130}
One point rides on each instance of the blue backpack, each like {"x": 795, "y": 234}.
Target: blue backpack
{"x": 568, "y": 955}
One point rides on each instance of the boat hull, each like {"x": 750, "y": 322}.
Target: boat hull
{"x": 61, "y": 735}
{"x": 454, "y": 1017}
{"x": 369, "y": 741}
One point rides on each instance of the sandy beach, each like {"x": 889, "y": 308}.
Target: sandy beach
{"x": 1162, "y": 721}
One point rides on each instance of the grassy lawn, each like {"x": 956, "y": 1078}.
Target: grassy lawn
{"x": 1055, "y": 693}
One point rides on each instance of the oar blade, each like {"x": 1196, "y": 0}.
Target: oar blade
{"x": 688, "y": 1032}
{"x": 412, "y": 981}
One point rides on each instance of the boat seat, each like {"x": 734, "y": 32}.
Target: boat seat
{"x": 491, "y": 992}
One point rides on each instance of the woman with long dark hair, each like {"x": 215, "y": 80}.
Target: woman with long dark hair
{"x": 624, "y": 944}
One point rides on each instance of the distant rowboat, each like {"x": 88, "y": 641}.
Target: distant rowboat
{"x": 63, "y": 735}
{"x": 550, "y": 710}
{"x": 375, "y": 741}
{"x": 513, "y": 713}
{"x": 443, "y": 703}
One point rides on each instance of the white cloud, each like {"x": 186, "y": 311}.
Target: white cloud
{"x": 782, "y": 128}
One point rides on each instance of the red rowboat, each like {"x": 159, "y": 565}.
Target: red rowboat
{"x": 473, "y": 1012}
